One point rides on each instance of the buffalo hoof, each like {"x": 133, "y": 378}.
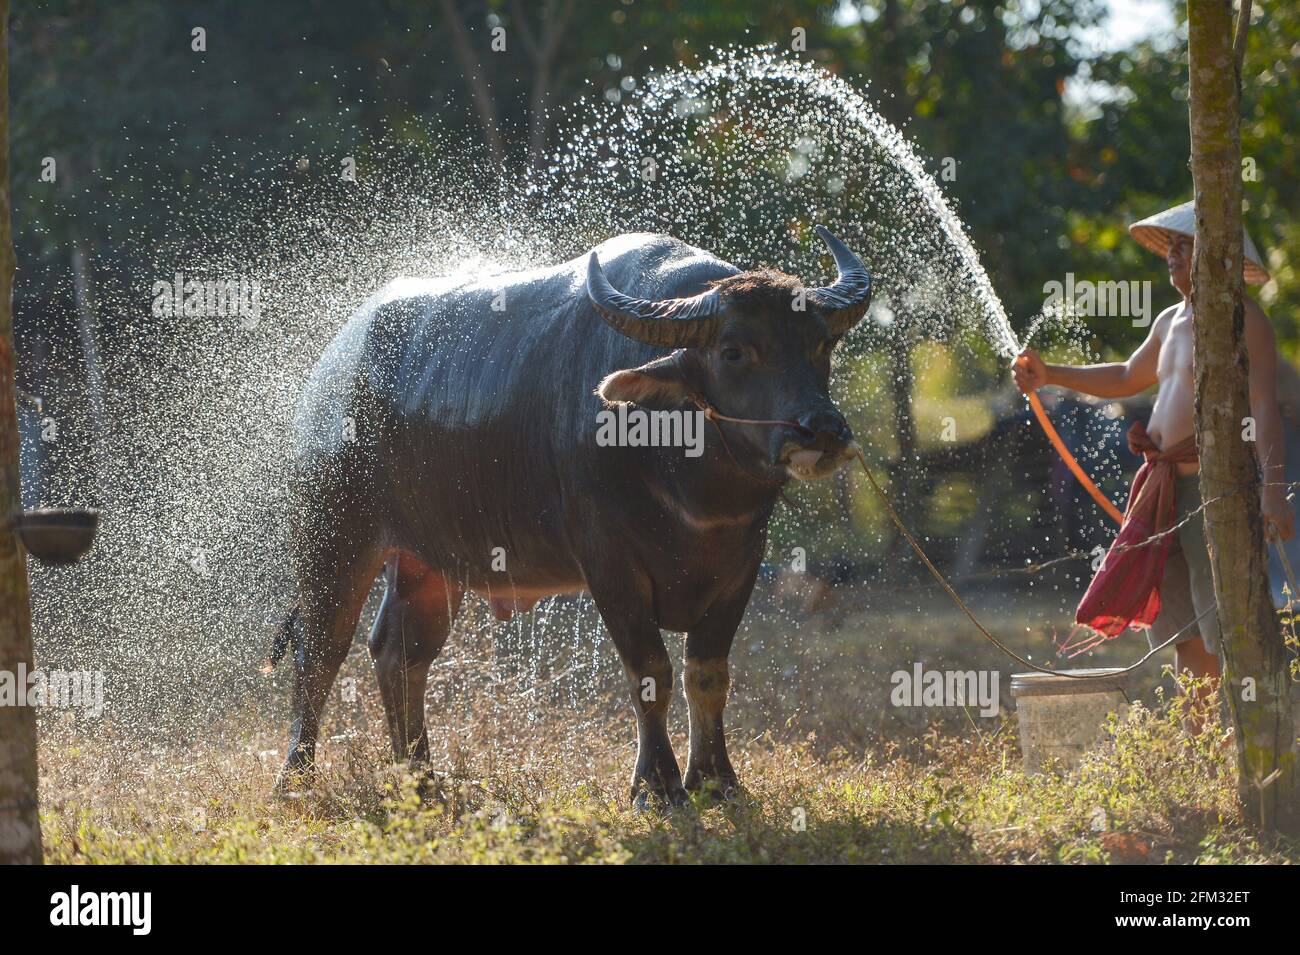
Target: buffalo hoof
{"x": 647, "y": 800}
{"x": 297, "y": 776}
{"x": 715, "y": 788}
{"x": 293, "y": 783}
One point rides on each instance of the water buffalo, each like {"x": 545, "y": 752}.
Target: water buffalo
{"x": 449, "y": 436}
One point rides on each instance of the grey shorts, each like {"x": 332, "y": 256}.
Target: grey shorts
{"x": 1187, "y": 589}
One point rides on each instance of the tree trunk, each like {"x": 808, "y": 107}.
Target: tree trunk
{"x": 1255, "y": 680}
{"x": 892, "y": 70}
{"x": 20, "y": 828}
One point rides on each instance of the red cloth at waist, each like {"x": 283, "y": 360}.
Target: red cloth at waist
{"x": 1126, "y": 591}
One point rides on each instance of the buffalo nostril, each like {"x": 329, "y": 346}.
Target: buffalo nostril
{"x": 825, "y": 424}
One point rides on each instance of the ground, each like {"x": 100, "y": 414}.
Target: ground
{"x": 531, "y": 770}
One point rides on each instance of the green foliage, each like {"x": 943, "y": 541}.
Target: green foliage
{"x": 1132, "y": 160}
{"x": 132, "y": 113}
{"x": 140, "y": 124}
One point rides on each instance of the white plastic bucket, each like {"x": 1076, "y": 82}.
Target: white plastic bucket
{"x": 1061, "y": 717}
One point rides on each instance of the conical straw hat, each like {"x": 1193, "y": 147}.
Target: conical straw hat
{"x": 1157, "y": 231}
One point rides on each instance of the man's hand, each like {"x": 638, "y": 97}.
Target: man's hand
{"x": 1279, "y": 519}
{"x": 1029, "y": 371}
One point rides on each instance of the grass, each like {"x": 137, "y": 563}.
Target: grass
{"x": 532, "y": 745}
{"x": 554, "y": 791}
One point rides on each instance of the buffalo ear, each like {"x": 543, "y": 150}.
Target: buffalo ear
{"x": 660, "y": 384}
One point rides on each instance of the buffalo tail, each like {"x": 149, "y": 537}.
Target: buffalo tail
{"x": 284, "y": 635}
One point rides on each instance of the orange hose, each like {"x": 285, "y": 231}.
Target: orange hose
{"x": 1048, "y": 429}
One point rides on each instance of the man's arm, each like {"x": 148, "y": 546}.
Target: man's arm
{"x": 1111, "y": 380}
{"x": 1270, "y": 441}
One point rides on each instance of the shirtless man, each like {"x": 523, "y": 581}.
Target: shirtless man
{"x": 1165, "y": 358}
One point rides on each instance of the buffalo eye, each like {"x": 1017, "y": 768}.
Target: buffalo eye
{"x": 732, "y": 355}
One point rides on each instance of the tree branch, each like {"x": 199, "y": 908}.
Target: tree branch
{"x": 480, "y": 91}
{"x": 1239, "y": 42}
{"x": 520, "y": 22}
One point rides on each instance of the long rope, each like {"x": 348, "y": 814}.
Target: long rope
{"x": 715, "y": 416}
{"x": 956, "y": 598}
{"x": 1106, "y": 503}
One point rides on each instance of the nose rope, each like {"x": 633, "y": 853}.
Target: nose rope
{"x": 714, "y": 415}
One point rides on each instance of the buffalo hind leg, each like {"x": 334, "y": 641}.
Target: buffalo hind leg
{"x": 332, "y": 593}
{"x": 409, "y": 632}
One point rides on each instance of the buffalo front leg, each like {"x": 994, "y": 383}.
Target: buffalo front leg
{"x": 650, "y": 684}
{"x": 707, "y": 764}
{"x": 328, "y": 619}
{"x": 650, "y": 675}
{"x": 707, "y": 680}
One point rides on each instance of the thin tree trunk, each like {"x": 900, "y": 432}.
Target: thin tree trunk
{"x": 892, "y": 59}
{"x": 82, "y": 286}
{"x": 537, "y": 106}
{"x": 479, "y": 89}
{"x": 20, "y": 828}
{"x": 1255, "y": 681}
{"x": 902, "y": 381}
{"x": 898, "y": 109}
{"x": 903, "y": 473}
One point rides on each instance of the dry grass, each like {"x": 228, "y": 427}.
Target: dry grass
{"x": 547, "y": 784}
